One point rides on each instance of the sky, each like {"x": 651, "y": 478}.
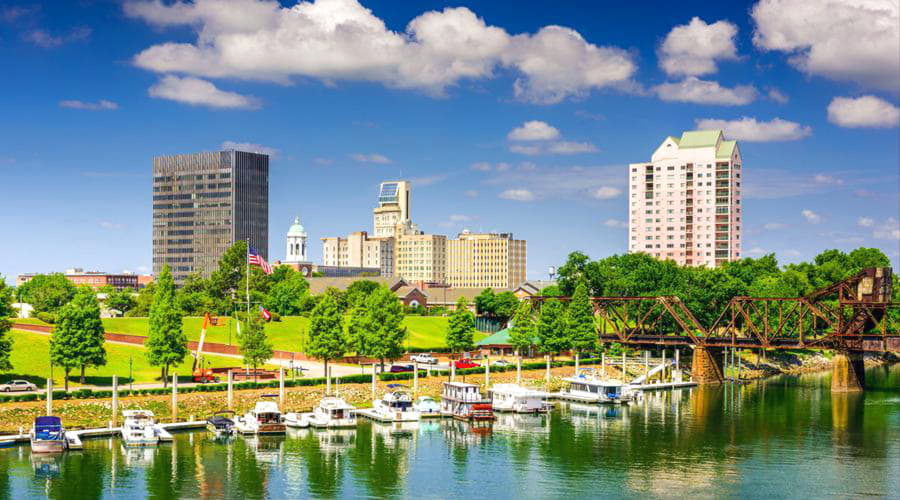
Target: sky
{"x": 506, "y": 116}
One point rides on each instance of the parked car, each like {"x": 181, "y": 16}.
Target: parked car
{"x": 500, "y": 362}
{"x": 424, "y": 358}
{"x": 17, "y": 386}
{"x": 401, "y": 368}
{"x": 465, "y": 363}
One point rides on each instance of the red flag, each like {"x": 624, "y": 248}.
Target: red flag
{"x": 265, "y": 314}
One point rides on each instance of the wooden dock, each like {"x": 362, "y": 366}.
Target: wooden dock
{"x": 371, "y": 414}
{"x": 75, "y": 439}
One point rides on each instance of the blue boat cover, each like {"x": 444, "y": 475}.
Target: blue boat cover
{"x": 48, "y": 424}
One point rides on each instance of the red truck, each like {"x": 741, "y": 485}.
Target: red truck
{"x": 465, "y": 363}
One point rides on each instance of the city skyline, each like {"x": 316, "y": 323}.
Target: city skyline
{"x": 489, "y": 145}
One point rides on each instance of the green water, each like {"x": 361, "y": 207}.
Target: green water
{"x": 784, "y": 437}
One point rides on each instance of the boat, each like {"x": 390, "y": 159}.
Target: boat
{"x": 589, "y": 389}
{"x": 296, "y": 420}
{"x": 465, "y": 402}
{"x": 221, "y": 423}
{"x": 332, "y": 412}
{"x": 139, "y": 428}
{"x": 264, "y": 418}
{"x": 427, "y": 407}
{"x": 395, "y": 406}
{"x": 48, "y": 435}
{"x": 517, "y": 399}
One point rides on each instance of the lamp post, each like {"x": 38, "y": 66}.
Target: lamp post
{"x": 130, "y": 377}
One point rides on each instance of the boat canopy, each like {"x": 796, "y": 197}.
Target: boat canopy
{"x": 48, "y": 424}
{"x": 266, "y": 407}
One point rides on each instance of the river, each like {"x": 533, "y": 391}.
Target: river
{"x": 780, "y": 437}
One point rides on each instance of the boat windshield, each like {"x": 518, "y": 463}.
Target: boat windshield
{"x": 401, "y": 405}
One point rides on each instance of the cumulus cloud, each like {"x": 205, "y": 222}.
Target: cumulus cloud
{"x": 534, "y": 130}
{"x": 456, "y": 220}
{"x": 827, "y": 179}
{"x": 887, "y": 230}
{"x": 101, "y": 105}
{"x": 695, "y": 90}
{"x": 865, "y": 222}
{"x": 846, "y": 40}
{"x": 778, "y": 96}
{"x": 615, "y": 223}
{"x": 811, "y": 217}
{"x": 371, "y": 158}
{"x": 606, "y": 193}
{"x": 198, "y": 92}
{"x": 865, "y": 111}
{"x": 750, "y": 130}
{"x": 517, "y": 195}
{"x": 250, "y": 147}
{"x": 334, "y": 40}
{"x": 692, "y": 49}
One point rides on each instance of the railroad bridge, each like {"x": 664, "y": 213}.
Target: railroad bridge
{"x": 850, "y": 317}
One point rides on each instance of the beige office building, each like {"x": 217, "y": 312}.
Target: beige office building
{"x": 419, "y": 256}
{"x": 393, "y": 208}
{"x": 481, "y": 260}
{"x": 358, "y": 250}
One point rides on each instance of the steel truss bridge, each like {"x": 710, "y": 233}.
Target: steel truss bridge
{"x": 853, "y": 315}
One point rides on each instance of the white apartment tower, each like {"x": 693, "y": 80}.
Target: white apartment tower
{"x": 685, "y": 204}
{"x": 393, "y": 208}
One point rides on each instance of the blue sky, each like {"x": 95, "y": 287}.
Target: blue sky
{"x": 347, "y": 95}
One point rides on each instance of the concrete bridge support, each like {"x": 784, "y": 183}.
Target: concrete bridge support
{"x": 706, "y": 367}
{"x": 848, "y": 372}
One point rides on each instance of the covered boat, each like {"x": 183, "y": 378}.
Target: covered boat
{"x": 396, "y": 406}
{"x": 427, "y": 406}
{"x": 264, "y": 418}
{"x": 517, "y": 399}
{"x": 139, "y": 428}
{"x": 48, "y": 435}
{"x": 465, "y": 402}
{"x": 593, "y": 390}
{"x": 221, "y": 423}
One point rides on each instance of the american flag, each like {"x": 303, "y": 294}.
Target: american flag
{"x": 255, "y": 259}
{"x": 264, "y": 313}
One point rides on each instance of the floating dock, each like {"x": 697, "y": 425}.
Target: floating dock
{"x": 663, "y": 385}
{"x": 74, "y": 439}
{"x": 371, "y": 414}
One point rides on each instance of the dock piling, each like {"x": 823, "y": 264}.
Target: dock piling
{"x": 603, "y": 364}
{"x": 576, "y": 363}
{"x": 487, "y": 372}
{"x": 518, "y": 368}
{"x": 374, "y": 376}
{"x": 415, "y": 378}
{"x": 452, "y": 371}
{"x": 230, "y": 397}
{"x": 174, "y": 397}
{"x": 281, "y": 388}
{"x": 547, "y": 377}
{"x": 49, "y": 396}
{"x": 115, "y": 401}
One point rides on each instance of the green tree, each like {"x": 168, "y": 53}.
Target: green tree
{"x": 121, "y": 300}
{"x": 384, "y": 325}
{"x": 505, "y": 305}
{"x": 46, "y": 292}
{"x": 580, "y": 321}
{"x": 285, "y": 295}
{"x": 6, "y": 311}
{"x": 359, "y": 291}
{"x": 461, "y": 327}
{"x": 358, "y": 330}
{"x": 484, "y": 302}
{"x": 143, "y": 302}
{"x": 254, "y": 343}
{"x": 326, "y": 332}
{"x": 552, "y": 331}
{"x": 522, "y": 331}
{"x": 229, "y": 276}
{"x": 78, "y": 337}
{"x": 166, "y": 343}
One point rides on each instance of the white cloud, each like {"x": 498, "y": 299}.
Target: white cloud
{"x": 45, "y": 39}
{"x": 616, "y": 223}
{"x": 517, "y": 195}
{"x": 526, "y": 150}
{"x": 250, "y": 147}
{"x": 427, "y": 181}
{"x": 777, "y": 96}
{"x": 456, "y": 220}
{"x": 340, "y": 40}
{"x": 847, "y": 40}
{"x": 197, "y": 92}
{"x": 774, "y": 226}
{"x": 757, "y": 251}
{"x": 750, "y": 130}
{"x": 111, "y": 226}
{"x": 827, "y": 179}
{"x": 323, "y": 162}
{"x": 697, "y": 91}
{"x": 371, "y": 158}
{"x": 527, "y": 166}
{"x": 692, "y": 49}
{"x": 888, "y": 230}
{"x": 570, "y": 148}
{"x": 792, "y": 253}
{"x": 561, "y": 182}
{"x": 101, "y": 105}
{"x": 481, "y": 166}
{"x": 534, "y": 130}
{"x": 865, "y": 111}
{"x": 811, "y": 217}
{"x": 502, "y": 166}
{"x": 471, "y": 193}
{"x": 606, "y": 193}
{"x": 865, "y": 222}
{"x": 773, "y": 183}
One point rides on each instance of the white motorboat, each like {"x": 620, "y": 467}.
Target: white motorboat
{"x": 427, "y": 407}
{"x": 139, "y": 428}
{"x": 517, "y": 399}
{"x": 48, "y": 435}
{"x": 588, "y": 389}
{"x": 465, "y": 402}
{"x": 264, "y": 418}
{"x": 332, "y": 413}
{"x": 296, "y": 420}
{"x": 396, "y": 406}
{"x": 221, "y": 424}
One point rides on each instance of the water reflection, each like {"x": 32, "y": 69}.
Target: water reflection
{"x": 747, "y": 440}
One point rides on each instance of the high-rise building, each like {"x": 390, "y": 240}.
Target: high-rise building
{"x": 393, "y": 208}
{"x": 203, "y": 203}
{"x": 481, "y": 260}
{"x": 357, "y": 250}
{"x": 419, "y": 256}
{"x": 685, "y": 204}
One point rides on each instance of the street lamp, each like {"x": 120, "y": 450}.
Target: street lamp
{"x": 130, "y": 377}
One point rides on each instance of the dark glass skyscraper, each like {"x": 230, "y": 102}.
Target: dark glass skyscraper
{"x": 203, "y": 203}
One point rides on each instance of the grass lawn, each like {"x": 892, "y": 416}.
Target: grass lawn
{"x": 30, "y": 361}
{"x": 425, "y": 331}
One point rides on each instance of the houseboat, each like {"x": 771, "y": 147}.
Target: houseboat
{"x": 221, "y": 424}
{"x": 395, "y": 406}
{"x": 427, "y": 407}
{"x": 294, "y": 420}
{"x": 48, "y": 435}
{"x": 139, "y": 428}
{"x": 332, "y": 413}
{"x": 588, "y": 389}
{"x": 517, "y": 399}
{"x": 465, "y": 402}
{"x": 263, "y": 419}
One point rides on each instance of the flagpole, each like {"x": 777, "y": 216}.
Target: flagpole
{"x": 248, "y": 279}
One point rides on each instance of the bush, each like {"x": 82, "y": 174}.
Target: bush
{"x": 275, "y": 316}
{"x": 46, "y": 317}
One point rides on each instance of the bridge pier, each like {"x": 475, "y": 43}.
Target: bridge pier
{"x": 848, "y": 372}
{"x": 706, "y": 367}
